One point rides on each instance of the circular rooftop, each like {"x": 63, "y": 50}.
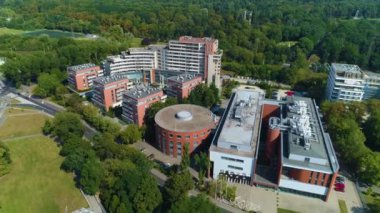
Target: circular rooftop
{"x": 184, "y": 118}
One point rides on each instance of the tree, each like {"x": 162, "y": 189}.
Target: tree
{"x": 177, "y": 186}
{"x": 372, "y": 130}
{"x": 148, "y": 196}
{"x": 47, "y": 128}
{"x": 203, "y": 95}
{"x": 47, "y": 84}
{"x": 66, "y": 124}
{"x": 185, "y": 162}
{"x": 199, "y": 203}
{"x": 369, "y": 171}
{"x": 130, "y": 135}
{"x": 203, "y": 163}
{"x": 91, "y": 174}
{"x": 5, "y": 159}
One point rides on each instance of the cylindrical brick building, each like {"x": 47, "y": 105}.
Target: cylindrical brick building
{"x": 180, "y": 124}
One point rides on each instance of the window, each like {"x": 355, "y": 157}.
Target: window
{"x": 187, "y": 137}
{"x": 316, "y": 178}
{"x": 170, "y": 135}
{"x": 195, "y": 136}
{"x": 307, "y": 160}
{"x": 232, "y": 159}
{"x": 234, "y": 147}
{"x": 179, "y": 137}
{"x": 235, "y": 167}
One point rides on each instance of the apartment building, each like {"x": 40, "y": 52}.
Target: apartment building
{"x": 108, "y": 90}
{"x": 137, "y": 100}
{"x": 80, "y": 77}
{"x": 372, "y": 85}
{"x": 134, "y": 59}
{"x": 180, "y": 86}
{"x": 199, "y": 56}
{"x": 347, "y": 82}
{"x": 194, "y": 55}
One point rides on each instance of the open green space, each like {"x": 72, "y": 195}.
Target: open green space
{"x": 4, "y": 31}
{"x": 35, "y": 182}
{"x": 54, "y": 33}
{"x": 136, "y": 42}
{"x": 50, "y": 33}
{"x": 342, "y": 206}
{"x": 280, "y": 210}
{"x": 21, "y": 122}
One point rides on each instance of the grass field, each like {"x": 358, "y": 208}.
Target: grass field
{"x": 280, "y": 210}
{"x": 35, "y": 182}
{"x": 136, "y": 42}
{"x": 4, "y": 31}
{"x": 342, "y": 206}
{"x": 21, "y": 122}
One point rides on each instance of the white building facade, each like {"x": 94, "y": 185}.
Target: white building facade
{"x": 347, "y": 82}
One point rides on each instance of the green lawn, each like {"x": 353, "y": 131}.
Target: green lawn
{"x": 35, "y": 182}
{"x": 287, "y": 43}
{"x": 4, "y": 30}
{"x": 280, "y": 210}
{"x": 136, "y": 42}
{"x": 342, "y": 206}
{"x": 21, "y": 122}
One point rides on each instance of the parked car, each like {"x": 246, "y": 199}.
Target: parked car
{"x": 340, "y": 179}
{"x": 339, "y": 189}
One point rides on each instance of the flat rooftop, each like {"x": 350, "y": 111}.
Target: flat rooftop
{"x": 81, "y": 67}
{"x": 185, "y": 118}
{"x": 190, "y": 39}
{"x": 239, "y": 127}
{"x": 305, "y": 144}
{"x": 142, "y": 91}
{"x": 184, "y": 78}
{"x": 110, "y": 79}
{"x": 350, "y": 68}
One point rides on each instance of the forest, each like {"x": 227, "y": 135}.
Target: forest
{"x": 287, "y": 41}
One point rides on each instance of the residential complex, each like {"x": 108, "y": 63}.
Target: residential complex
{"x": 182, "y": 124}
{"x": 348, "y": 82}
{"x": 137, "y": 100}
{"x": 132, "y": 60}
{"x": 296, "y": 155}
{"x": 194, "y": 55}
{"x": 108, "y": 90}
{"x": 187, "y": 55}
{"x": 80, "y": 77}
{"x": 180, "y": 86}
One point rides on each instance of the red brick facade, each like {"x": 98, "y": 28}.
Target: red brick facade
{"x": 82, "y": 79}
{"x": 183, "y": 89}
{"x": 134, "y": 109}
{"x": 178, "y": 139}
{"x": 110, "y": 94}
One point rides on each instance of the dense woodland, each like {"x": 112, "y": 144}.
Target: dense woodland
{"x": 304, "y": 34}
